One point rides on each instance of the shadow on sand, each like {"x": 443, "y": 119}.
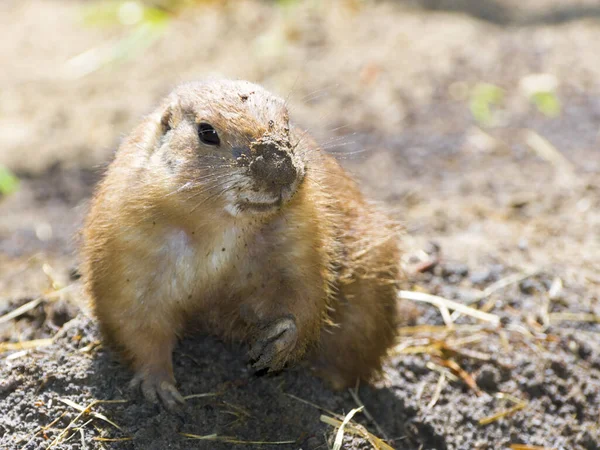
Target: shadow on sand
{"x": 499, "y": 13}
{"x": 247, "y": 407}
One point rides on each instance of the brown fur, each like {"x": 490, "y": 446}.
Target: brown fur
{"x": 163, "y": 251}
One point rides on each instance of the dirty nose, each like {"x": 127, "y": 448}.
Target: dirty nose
{"x": 272, "y": 165}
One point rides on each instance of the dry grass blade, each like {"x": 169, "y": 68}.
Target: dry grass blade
{"x": 232, "y": 440}
{"x": 64, "y": 431}
{"x": 519, "y": 405}
{"x": 336, "y": 422}
{"x": 82, "y": 411}
{"x": 103, "y": 439}
{"x": 207, "y": 394}
{"x": 33, "y": 303}
{"x": 495, "y": 417}
{"x": 357, "y": 430}
{"x": 418, "y": 329}
{"x": 242, "y": 442}
{"x": 87, "y": 409}
{"x": 339, "y": 436}
{"x": 504, "y": 282}
{"x": 463, "y": 374}
{"x": 21, "y": 310}
{"x": 545, "y": 150}
{"x": 431, "y": 349}
{"x": 439, "y": 369}
{"x": 51, "y": 424}
{"x": 24, "y": 345}
{"x": 500, "y": 284}
{"x": 314, "y": 405}
{"x": 572, "y": 317}
{"x": 528, "y": 447}
{"x": 95, "y": 345}
{"x": 438, "y": 391}
{"x": 446, "y": 304}
{"x": 44, "y": 428}
{"x": 448, "y": 347}
{"x": 237, "y": 410}
{"x": 206, "y": 437}
{"x": 76, "y": 429}
{"x": 477, "y": 356}
{"x": 354, "y": 394}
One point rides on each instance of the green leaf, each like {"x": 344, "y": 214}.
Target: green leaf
{"x": 484, "y": 97}
{"x": 127, "y": 13}
{"x": 547, "y": 103}
{"x": 8, "y": 181}
{"x": 140, "y": 38}
{"x": 101, "y": 13}
{"x": 156, "y": 16}
{"x": 287, "y": 2}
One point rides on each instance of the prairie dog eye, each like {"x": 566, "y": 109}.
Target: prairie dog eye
{"x": 207, "y": 134}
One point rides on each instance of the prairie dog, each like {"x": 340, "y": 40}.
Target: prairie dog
{"x": 218, "y": 214}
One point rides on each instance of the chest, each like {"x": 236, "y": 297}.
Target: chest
{"x": 192, "y": 263}
{"x": 227, "y": 263}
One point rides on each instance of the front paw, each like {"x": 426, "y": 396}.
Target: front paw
{"x": 158, "y": 386}
{"x": 274, "y": 344}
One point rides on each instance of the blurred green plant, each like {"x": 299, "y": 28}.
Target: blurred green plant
{"x": 146, "y": 23}
{"x": 540, "y": 89}
{"x": 286, "y": 2}
{"x": 128, "y": 13}
{"x": 9, "y": 183}
{"x": 547, "y": 103}
{"x": 483, "y": 99}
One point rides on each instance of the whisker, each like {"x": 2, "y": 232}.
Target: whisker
{"x": 305, "y": 133}
{"x": 216, "y": 184}
{"x": 308, "y": 131}
{"x": 198, "y": 182}
{"x": 216, "y": 194}
{"x": 338, "y": 138}
{"x": 317, "y": 93}
{"x": 333, "y": 130}
{"x": 334, "y": 145}
{"x": 288, "y": 96}
{"x": 327, "y": 173}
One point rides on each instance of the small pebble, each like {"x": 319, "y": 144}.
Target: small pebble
{"x": 560, "y": 369}
{"x": 529, "y": 286}
{"x": 457, "y": 269}
{"x": 488, "y": 379}
{"x": 523, "y": 244}
{"x": 480, "y": 277}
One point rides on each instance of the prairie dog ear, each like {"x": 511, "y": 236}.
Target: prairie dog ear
{"x": 163, "y": 119}
{"x": 170, "y": 117}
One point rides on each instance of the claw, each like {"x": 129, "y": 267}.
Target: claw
{"x": 155, "y": 387}
{"x": 274, "y": 345}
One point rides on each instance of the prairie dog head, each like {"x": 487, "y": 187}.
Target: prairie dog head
{"x": 226, "y": 143}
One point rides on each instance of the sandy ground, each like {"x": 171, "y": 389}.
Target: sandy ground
{"x": 387, "y": 87}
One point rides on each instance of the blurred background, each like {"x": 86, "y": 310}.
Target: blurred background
{"x": 476, "y": 122}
